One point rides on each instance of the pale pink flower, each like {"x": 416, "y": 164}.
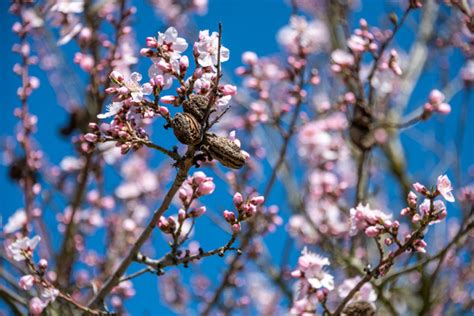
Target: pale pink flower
{"x": 15, "y": 222}
{"x": 366, "y": 292}
{"x": 112, "y": 110}
{"x": 36, "y": 306}
{"x": 443, "y": 184}
{"x": 311, "y": 37}
{"x": 207, "y": 49}
{"x": 49, "y": 294}
{"x": 136, "y": 90}
{"x": 357, "y": 43}
{"x": 171, "y": 44}
{"x": 311, "y": 270}
{"x": 68, "y": 6}
{"x": 26, "y": 282}
{"x": 22, "y": 247}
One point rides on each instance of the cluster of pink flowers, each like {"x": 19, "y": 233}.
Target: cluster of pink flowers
{"x": 22, "y": 250}
{"x": 372, "y": 221}
{"x": 430, "y": 210}
{"x": 314, "y": 282}
{"x": 196, "y": 186}
{"x": 322, "y": 148}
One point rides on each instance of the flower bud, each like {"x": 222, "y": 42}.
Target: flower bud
{"x": 258, "y": 200}
{"x": 372, "y": 231}
{"x": 26, "y": 282}
{"x": 36, "y": 306}
{"x": 238, "y": 199}
{"x": 43, "y": 264}
{"x": 116, "y": 76}
{"x": 198, "y": 211}
{"x": 229, "y": 216}
{"x": 206, "y": 187}
{"x": 236, "y": 228}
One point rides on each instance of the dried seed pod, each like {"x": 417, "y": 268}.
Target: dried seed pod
{"x": 196, "y": 106}
{"x": 186, "y": 128}
{"x": 224, "y": 150}
{"x": 359, "y": 308}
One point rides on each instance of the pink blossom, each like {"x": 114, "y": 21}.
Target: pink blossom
{"x": 49, "y": 294}
{"x": 206, "y": 187}
{"x": 198, "y": 211}
{"x": 363, "y": 216}
{"x": 310, "y": 36}
{"x": 311, "y": 269}
{"x": 443, "y": 184}
{"x": 15, "y": 222}
{"x": 420, "y": 188}
{"x": 238, "y": 199}
{"x": 236, "y": 228}
{"x": 171, "y": 44}
{"x": 112, "y": 110}
{"x": 249, "y": 58}
{"x": 207, "y": 49}
{"x": 365, "y": 293}
{"x": 36, "y": 306}
{"x": 26, "y": 282}
{"x": 23, "y": 247}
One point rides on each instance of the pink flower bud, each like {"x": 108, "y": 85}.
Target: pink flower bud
{"x": 436, "y": 97}
{"x": 420, "y": 188}
{"x": 198, "y": 177}
{"x": 183, "y": 194}
{"x": 26, "y": 282}
{"x": 229, "y": 89}
{"x": 36, "y": 306}
{"x": 388, "y": 241}
{"x": 116, "y": 76}
{"x": 238, "y": 199}
{"x": 183, "y": 64}
{"x": 444, "y": 108}
{"x": 181, "y": 215}
{"x": 258, "y": 200}
{"x": 151, "y": 42}
{"x": 111, "y": 90}
{"x": 372, "y": 231}
{"x": 206, "y": 187}
{"x": 91, "y": 138}
{"x": 249, "y": 58}
{"x": 164, "y": 111}
{"x": 405, "y": 211}
{"x": 168, "y": 99}
{"x": 198, "y": 211}
{"x": 162, "y": 223}
{"x": 229, "y": 216}
{"x": 321, "y": 295}
{"x": 236, "y": 228}
{"x": 43, "y": 264}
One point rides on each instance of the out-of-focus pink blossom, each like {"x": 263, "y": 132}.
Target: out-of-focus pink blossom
{"x": 26, "y": 282}
{"x": 36, "y": 306}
